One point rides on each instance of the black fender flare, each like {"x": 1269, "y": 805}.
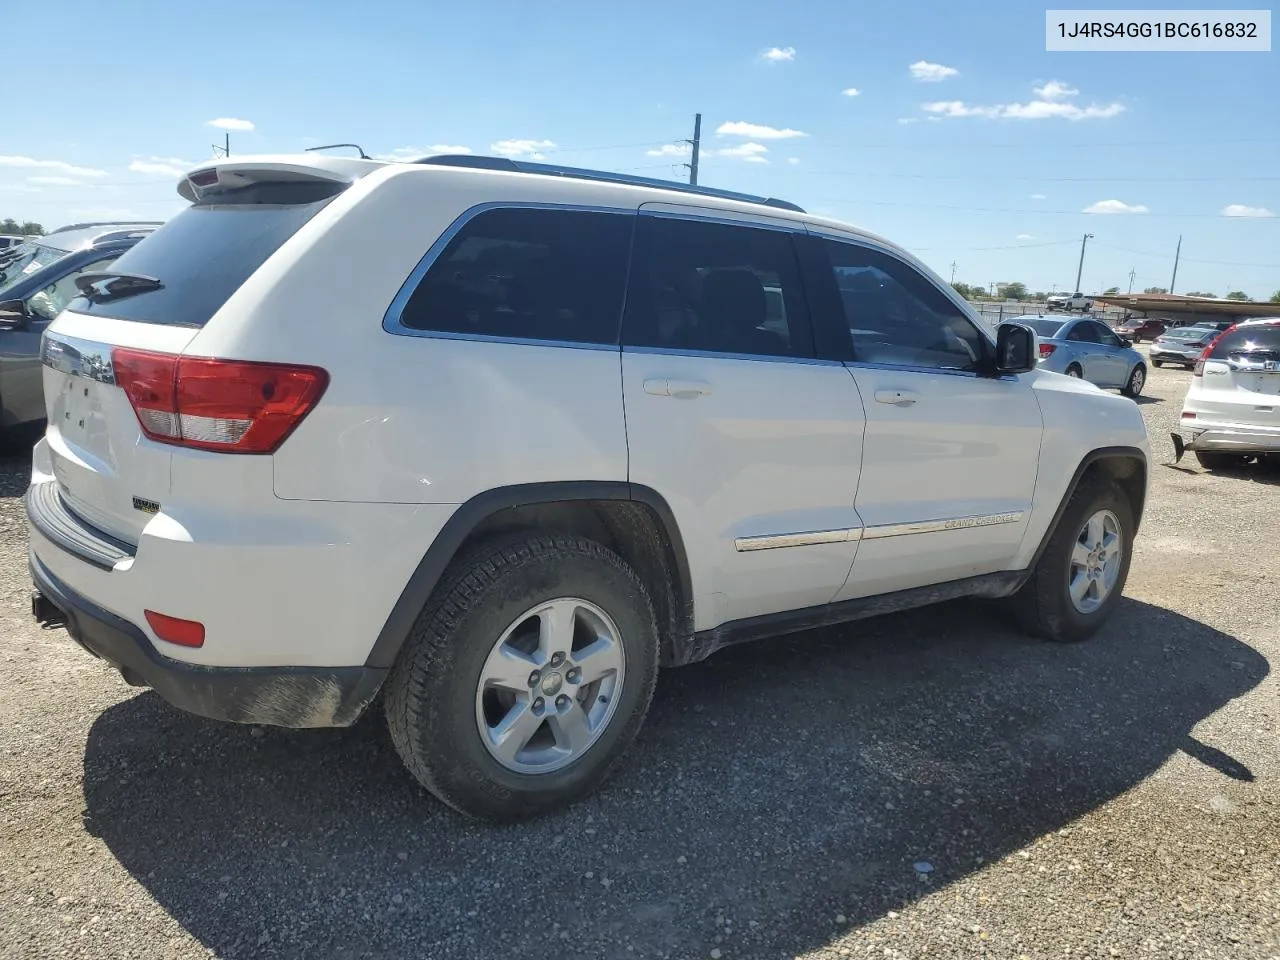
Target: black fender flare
{"x": 473, "y": 512}
{"x": 1091, "y": 458}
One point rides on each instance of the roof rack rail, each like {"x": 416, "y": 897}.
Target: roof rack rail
{"x": 577, "y": 173}
{"x": 112, "y": 235}
{"x": 106, "y": 223}
{"x": 331, "y": 146}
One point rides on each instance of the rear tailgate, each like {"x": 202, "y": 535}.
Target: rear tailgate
{"x": 111, "y": 472}
{"x": 107, "y": 471}
{"x": 1241, "y": 378}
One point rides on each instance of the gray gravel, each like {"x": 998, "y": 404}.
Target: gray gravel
{"x": 925, "y": 785}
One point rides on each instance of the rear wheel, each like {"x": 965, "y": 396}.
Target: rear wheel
{"x": 1137, "y": 380}
{"x": 1079, "y": 578}
{"x": 1212, "y": 460}
{"x": 526, "y": 676}
{"x": 1074, "y": 371}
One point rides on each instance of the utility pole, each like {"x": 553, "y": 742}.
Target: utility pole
{"x": 226, "y": 144}
{"x": 1080, "y": 272}
{"x": 953, "y": 273}
{"x": 1132, "y": 273}
{"x": 695, "y": 143}
{"x": 1177, "y": 253}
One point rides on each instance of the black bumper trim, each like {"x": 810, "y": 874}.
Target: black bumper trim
{"x": 52, "y": 517}
{"x": 281, "y": 696}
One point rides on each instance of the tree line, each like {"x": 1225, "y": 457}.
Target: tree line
{"x": 27, "y": 228}
{"x": 1019, "y": 291}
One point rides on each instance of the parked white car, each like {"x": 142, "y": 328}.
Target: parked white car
{"x": 499, "y": 439}
{"x": 1076, "y": 301}
{"x": 1232, "y": 410}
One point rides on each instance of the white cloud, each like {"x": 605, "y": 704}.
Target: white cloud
{"x": 851, "y": 92}
{"x": 1024, "y": 236}
{"x": 1114, "y": 206}
{"x": 1038, "y": 196}
{"x": 756, "y": 131}
{"x": 906, "y": 120}
{"x": 56, "y": 181}
{"x": 778, "y": 55}
{"x": 1055, "y": 90}
{"x": 170, "y": 167}
{"x": 1240, "y": 210}
{"x": 230, "y": 123}
{"x": 931, "y": 72}
{"x": 749, "y": 152}
{"x": 437, "y": 148}
{"x": 669, "y": 150}
{"x": 527, "y": 149}
{"x": 1051, "y": 103}
{"x": 793, "y": 160}
{"x": 60, "y": 166}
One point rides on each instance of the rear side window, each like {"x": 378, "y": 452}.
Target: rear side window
{"x": 526, "y": 273}
{"x": 716, "y": 287}
{"x": 1253, "y": 344}
{"x": 203, "y": 255}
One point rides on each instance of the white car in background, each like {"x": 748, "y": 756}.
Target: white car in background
{"x": 1232, "y": 410}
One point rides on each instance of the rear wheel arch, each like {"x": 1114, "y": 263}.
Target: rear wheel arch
{"x": 632, "y": 520}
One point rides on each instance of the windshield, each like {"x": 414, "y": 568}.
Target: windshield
{"x": 31, "y": 258}
{"x": 1045, "y": 328}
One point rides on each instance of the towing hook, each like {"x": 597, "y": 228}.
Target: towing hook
{"x": 45, "y": 612}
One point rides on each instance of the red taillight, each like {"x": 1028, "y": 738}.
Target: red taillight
{"x": 1198, "y": 370}
{"x": 1046, "y": 349}
{"x": 232, "y": 406}
{"x": 204, "y": 178}
{"x": 185, "y": 633}
{"x": 1186, "y": 415}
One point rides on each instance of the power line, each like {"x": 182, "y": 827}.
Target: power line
{"x": 1165, "y": 256}
{"x": 1037, "y": 179}
{"x": 1022, "y": 210}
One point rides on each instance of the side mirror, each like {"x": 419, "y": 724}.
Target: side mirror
{"x": 1015, "y": 349}
{"x": 14, "y": 315}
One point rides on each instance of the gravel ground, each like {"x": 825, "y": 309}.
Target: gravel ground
{"x": 924, "y": 785}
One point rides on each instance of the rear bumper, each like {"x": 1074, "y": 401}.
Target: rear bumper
{"x": 282, "y": 696}
{"x": 1166, "y": 356}
{"x": 1229, "y": 438}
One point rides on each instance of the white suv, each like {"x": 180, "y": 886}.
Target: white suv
{"x": 1232, "y": 410}
{"x": 497, "y": 440}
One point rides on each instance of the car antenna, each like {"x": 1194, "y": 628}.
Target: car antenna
{"x": 331, "y": 146}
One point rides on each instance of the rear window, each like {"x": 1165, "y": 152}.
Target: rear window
{"x": 1249, "y": 344}
{"x": 207, "y": 251}
{"x": 1044, "y": 328}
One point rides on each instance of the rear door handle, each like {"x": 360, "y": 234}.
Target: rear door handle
{"x": 899, "y": 398}
{"x": 661, "y": 387}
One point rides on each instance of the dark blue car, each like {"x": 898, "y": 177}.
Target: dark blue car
{"x": 38, "y": 279}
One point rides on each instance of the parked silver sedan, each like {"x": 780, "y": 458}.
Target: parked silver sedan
{"x": 1089, "y": 349}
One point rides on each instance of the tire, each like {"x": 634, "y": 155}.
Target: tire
{"x": 1213, "y": 460}
{"x": 1075, "y": 371}
{"x": 1137, "y": 380}
{"x": 1044, "y": 605}
{"x": 436, "y": 707}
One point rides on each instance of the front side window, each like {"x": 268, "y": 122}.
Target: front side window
{"x": 896, "y": 316}
{"x": 723, "y": 288}
{"x": 1107, "y": 337}
{"x": 33, "y": 257}
{"x": 528, "y": 273}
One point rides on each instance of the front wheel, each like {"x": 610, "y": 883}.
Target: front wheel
{"x": 1078, "y": 580}
{"x": 1137, "y": 380}
{"x": 526, "y": 677}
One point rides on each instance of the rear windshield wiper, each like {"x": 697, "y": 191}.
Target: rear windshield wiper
{"x": 101, "y": 286}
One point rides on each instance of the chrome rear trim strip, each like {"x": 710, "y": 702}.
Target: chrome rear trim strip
{"x": 810, "y": 538}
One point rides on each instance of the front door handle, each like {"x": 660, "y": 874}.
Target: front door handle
{"x": 899, "y": 398}
{"x": 661, "y": 387}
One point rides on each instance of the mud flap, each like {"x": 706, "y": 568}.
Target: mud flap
{"x": 1179, "y": 448}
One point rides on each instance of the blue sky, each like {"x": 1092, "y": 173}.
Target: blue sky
{"x": 966, "y": 140}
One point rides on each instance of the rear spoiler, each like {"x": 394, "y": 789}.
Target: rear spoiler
{"x": 219, "y": 176}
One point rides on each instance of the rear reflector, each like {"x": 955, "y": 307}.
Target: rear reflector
{"x": 185, "y": 633}
{"x": 1046, "y": 349}
{"x": 231, "y": 406}
{"x": 1187, "y": 415}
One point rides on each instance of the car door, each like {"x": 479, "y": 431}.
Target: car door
{"x": 753, "y": 441}
{"x": 21, "y": 384}
{"x": 949, "y": 453}
{"x": 1115, "y": 354}
{"x": 1088, "y": 352}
